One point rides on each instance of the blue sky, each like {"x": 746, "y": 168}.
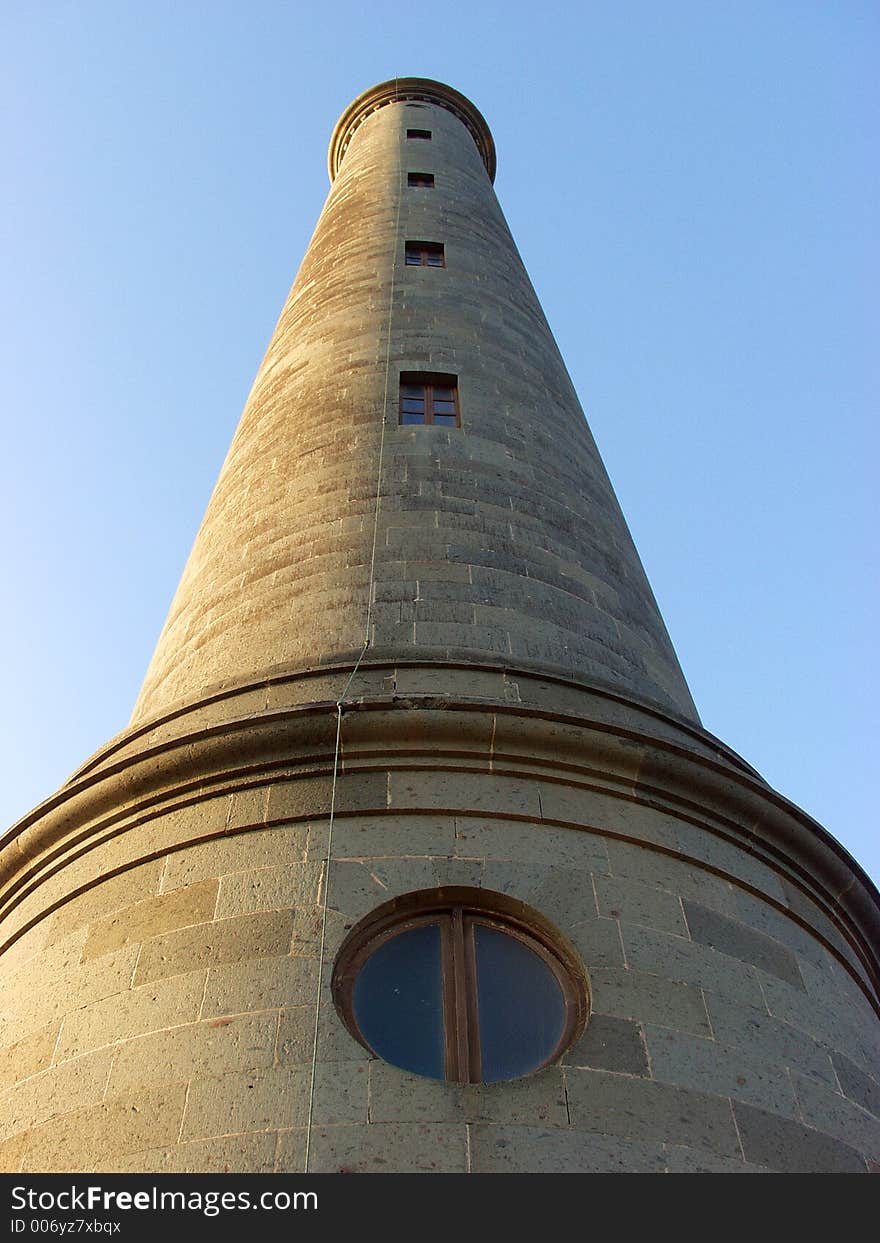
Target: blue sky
{"x": 694, "y": 191}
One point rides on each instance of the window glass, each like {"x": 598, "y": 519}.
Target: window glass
{"x": 398, "y": 1001}
{"x": 463, "y": 985}
{"x": 434, "y": 401}
{"x": 425, "y": 254}
{"x": 520, "y": 1004}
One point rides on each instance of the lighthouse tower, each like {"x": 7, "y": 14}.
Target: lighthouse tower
{"x": 415, "y": 855}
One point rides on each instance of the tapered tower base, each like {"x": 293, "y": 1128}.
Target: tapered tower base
{"x": 164, "y": 918}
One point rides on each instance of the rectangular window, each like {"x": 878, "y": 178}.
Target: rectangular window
{"x": 429, "y": 397}
{"x": 420, "y": 179}
{"x": 425, "y": 255}
{"x": 418, "y": 133}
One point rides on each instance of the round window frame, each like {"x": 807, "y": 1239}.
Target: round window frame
{"x": 457, "y": 910}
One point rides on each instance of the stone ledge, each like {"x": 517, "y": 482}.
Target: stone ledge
{"x": 401, "y": 89}
{"x": 452, "y": 739}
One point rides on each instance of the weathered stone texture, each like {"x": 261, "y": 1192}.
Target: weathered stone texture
{"x": 210, "y": 983}
{"x": 790, "y": 1148}
{"x": 518, "y": 725}
{"x": 280, "y": 571}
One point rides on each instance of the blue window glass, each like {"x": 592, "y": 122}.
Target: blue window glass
{"x": 425, "y": 254}
{"x": 398, "y": 1001}
{"x": 428, "y": 402}
{"x": 458, "y": 992}
{"x": 520, "y": 1003}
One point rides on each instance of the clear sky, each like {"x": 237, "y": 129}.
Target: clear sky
{"x": 694, "y": 190}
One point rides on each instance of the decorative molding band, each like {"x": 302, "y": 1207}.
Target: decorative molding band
{"x": 431, "y": 734}
{"x": 398, "y": 90}
{"x": 595, "y": 700}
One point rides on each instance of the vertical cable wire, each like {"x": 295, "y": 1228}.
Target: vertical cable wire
{"x": 340, "y": 703}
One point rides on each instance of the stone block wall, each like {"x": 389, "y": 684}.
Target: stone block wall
{"x": 332, "y": 524}
{"x": 445, "y": 636}
{"x": 159, "y": 1009}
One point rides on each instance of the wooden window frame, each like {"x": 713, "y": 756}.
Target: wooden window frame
{"x": 429, "y": 381}
{"x": 423, "y": 250}
{"x": 424, "y": 135}
{"x": 457, "y": 913}
{"x": 420, "y": 181}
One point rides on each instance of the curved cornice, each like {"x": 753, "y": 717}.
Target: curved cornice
{"x": 382, "y": 659}
{"x": 397, "y": 89}
{"x": 457, "y": 735}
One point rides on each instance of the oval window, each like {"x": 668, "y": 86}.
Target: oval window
{"x": 460, "y": 985}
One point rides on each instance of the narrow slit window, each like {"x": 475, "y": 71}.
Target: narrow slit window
{"x": 420, "y": 179}
{"x": 427, "y": 397}
{"x": 419, "y": 133}
{"x": 425, "y": 255}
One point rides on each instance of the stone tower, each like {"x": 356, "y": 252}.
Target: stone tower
{"x": 415, "y": 855}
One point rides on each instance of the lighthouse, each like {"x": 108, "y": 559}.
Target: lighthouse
{"x": 415, "y": 855}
